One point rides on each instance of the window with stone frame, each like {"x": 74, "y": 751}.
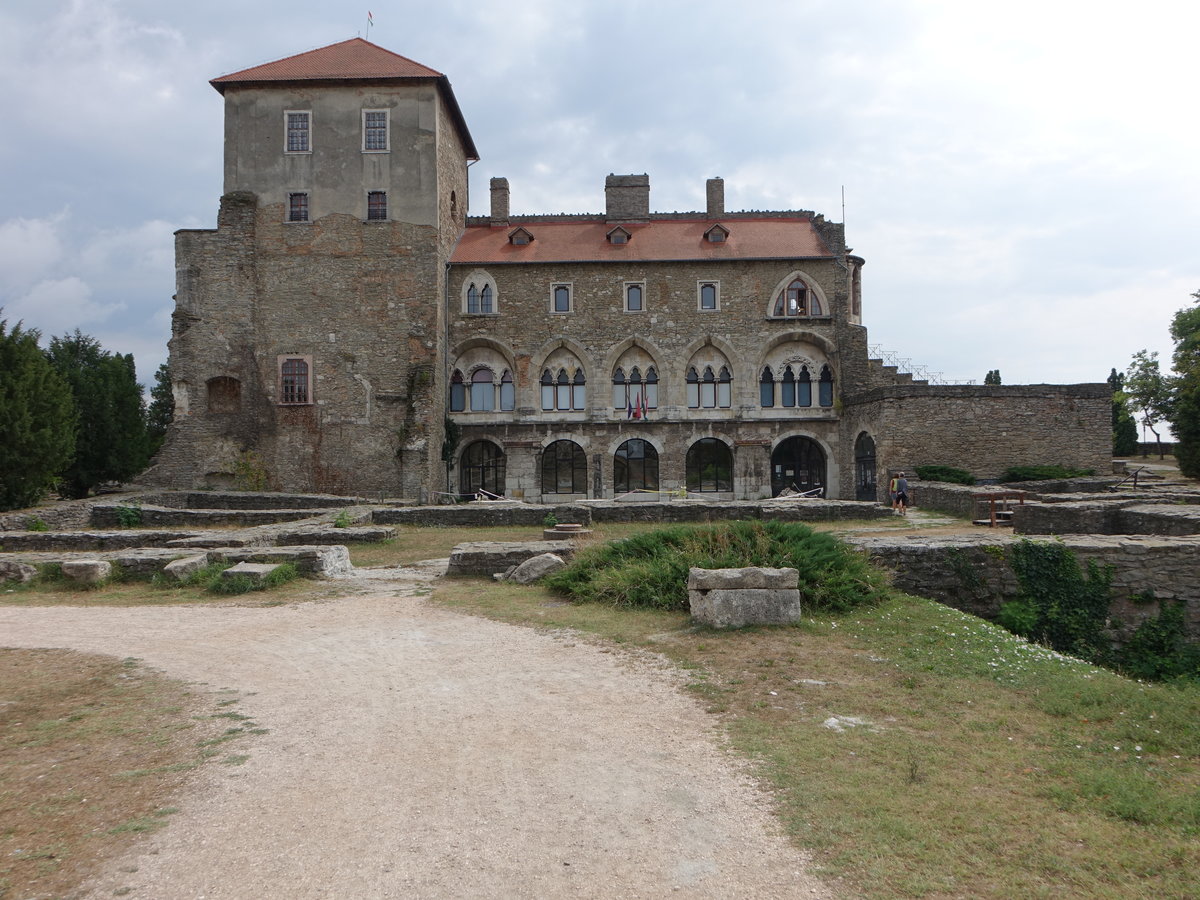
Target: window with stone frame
{"x": 633, "y": 391}
{"x": 709, "y": 466}
{"x": 377, "y": 210}
{"x": 560, "y": 298}
{"x": 825, "y": 387}
{"x": 708, "y": 389}
{"x": 298, "y": 206}
{"x": 563, "y": 391}
{"x": 797, "y": 300}
{"x": 295, "y": 380}
{"x": 297, "y": 131}
{"x": 480, "y": 298}
{"x": 375, "y": 130}
{"x": 564, "y": 468}
{"x": 483, "y": 392}
{"x": 635, "y": 296}
{"x": 708, "y": 295}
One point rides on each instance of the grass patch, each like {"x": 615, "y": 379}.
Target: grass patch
{"x": 984, "y": 766}
{"x": 92, "y": 749}
{"x": 651, "y": 569}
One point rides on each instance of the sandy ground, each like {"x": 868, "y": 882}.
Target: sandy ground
{"x": 414, "y": 752}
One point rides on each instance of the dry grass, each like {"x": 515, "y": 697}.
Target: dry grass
{"x": 93, "y": 749}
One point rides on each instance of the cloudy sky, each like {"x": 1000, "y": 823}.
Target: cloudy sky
{"x": 1023, "y": 179}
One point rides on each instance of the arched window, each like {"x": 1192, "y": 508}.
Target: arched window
{"x": 724, "y": 388}
{"x": 562, "y": 391}
{"x": 804, "y": 388}
{"x": 508, "y": 395}
{"x": 472, "y": 299}
{"x": 482, "y": 469}
{"x": 766, "y": 388}
{"x": 789, "y": 387}
{"x": 479, "y": 294}
{"x": 483, "y": 390}
{"x": 564, "y": 469}
{"x": 634, "y": 392}
{"x": 485, "y": 299}
{"x": 797, "y": 299}
{"x": 458, "y": 392}
{"x": 635, "y": 467}
{"x": 709, "y": 466}
{"x": 825, "y": 387}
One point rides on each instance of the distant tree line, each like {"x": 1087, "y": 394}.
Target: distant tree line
{"x": 72, "y": 416}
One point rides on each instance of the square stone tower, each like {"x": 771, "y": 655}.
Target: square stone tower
{"x": 309, "y": 325}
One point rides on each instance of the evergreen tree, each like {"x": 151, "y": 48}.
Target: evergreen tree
{"x": 992, "y": 377}
{"x": 110, "y": 413}
{"x": 1125, "y": 438}
{"x": 161, "y": 410}
{"x": 37, "y": 420}
{"x": 1185, "y": 396}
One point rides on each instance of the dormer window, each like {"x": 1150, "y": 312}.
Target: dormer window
{"x": 718, "y": 234}
{"x": 520, "y": 237}
{"x": 619, "y": 235}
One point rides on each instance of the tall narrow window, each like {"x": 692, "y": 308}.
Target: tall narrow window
{"x": 297, "y": 137}
{"x": 485, "y": 299}
{"x": 633, "y": 298}
{"x": 298, "y": 207}
{"x": 472, "y": 299}
{"x": 578, "y": 384}
{"x": 375, "y": 130}
{"x": 766, "y": 388}
{"x": 708, "y": 295}
{"x": 651, "y": 388}
{"x": 483, "y": 391}
{"x": 562, "y": 390}
{"x": 376, "y": 206}
{"x": 562, "y": 298}
{"x": 620, "y": 390}
{"x": 825, "y": 387}
{"x": 788, "y": 387}
{"x": 458, "y": 392}
{"x": 547, "y": 383}
{"x": 693, "y": 388}
{"x": 724, "y": 388}
{"x": 804, "y": 388}
{"x": 708, "y": 388}
{"x": 293, "y": 381}
{"x": 508, "y": 395}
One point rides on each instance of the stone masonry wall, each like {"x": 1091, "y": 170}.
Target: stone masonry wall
{"x": 975, "y": 576}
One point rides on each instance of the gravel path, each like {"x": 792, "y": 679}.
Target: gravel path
{"x": 415, "y": 752}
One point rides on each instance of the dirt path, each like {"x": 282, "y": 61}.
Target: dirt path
{"x": 414, "y": 752}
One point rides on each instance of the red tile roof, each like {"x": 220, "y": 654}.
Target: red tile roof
{"x": 655, "y": 241}
{"x": 350, "y": 60}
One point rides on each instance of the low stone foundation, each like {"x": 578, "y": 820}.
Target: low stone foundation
{"x": 486, "y": 558}
{"x": 973, "y": 573}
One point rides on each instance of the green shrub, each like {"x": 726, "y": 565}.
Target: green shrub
{"x": 650, "y": 569}
{"x": 1159, "y": 649}
{"x": 1068, "y": 607}
{"x": 1042, "y": 473}
{"x": 129, "y": 516}
{"x": 342, "y": 520}
{"x": 36, "y": 524}
{"x": 550, "y": 520}
{"x": 947, "y": 474}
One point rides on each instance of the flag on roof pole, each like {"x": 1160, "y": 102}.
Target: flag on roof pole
{"x": 370, "y": 20}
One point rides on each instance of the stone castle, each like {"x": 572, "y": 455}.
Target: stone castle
{"x": 347, "y": 327}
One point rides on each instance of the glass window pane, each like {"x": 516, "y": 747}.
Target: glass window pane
{"x": 652, "y": 395}
{"x": 564, "y": 396}
{"x": 693, "y": 395}
{"x": 633, "y": 297}
{"x": 708, "y": 395}
{"x": 724, "y": 395}
{"x": 508, "y": 396}
{"x": 547, "y": 396}
{"x": 458, "y": 397}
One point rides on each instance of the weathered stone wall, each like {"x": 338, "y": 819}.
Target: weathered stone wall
{"x": 974, "y": 575}
{"x": 986, "y": 429}
{"x": 1115, "y": 516}
{"x": 71, "y": 514}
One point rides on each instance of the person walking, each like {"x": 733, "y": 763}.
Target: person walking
{"x": 900, "y": 494}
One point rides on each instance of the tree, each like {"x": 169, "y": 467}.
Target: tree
{"x": 1184, "y": 412}
{"x": 1125, "y": 439}
{"x": 37, "y": 420}
{"x": 110, "y": 413}
{"x": 992, "y": 377}
{"x": 1149, "y": 392}
{"x": 161, "y": 410}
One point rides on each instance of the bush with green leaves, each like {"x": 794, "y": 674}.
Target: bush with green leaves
{"x": 947, "y": 474}
{"x": 651, "y": 569}
{"x": 342, "y": 520}
{"x": 1043, "y": 473}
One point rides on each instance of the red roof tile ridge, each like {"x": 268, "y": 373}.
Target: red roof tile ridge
{"x": 345, "y": 60}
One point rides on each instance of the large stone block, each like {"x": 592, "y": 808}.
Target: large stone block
{"x": 738, "y": 608}
{"x": 86, "y": 571}
{"x": 16, "y": 571}
{"x": 749, "y": 578}
{"x": 489, "y": 557}
{"x": 536, "y": 568}
{"x": 182, "y": 569}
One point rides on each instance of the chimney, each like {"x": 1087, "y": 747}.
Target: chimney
{"x": 714, "y": 189}
{"x": 627, "y": 198}
{"x": 499, "y": 201}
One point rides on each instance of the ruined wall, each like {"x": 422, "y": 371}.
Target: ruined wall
{"x": 986, "y": 429}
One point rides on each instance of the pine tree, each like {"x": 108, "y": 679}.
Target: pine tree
{"x": 992, "y": 377}
{"x": 1125, "y": 437}
{"x": 37, "y": 420}
{"x": 161, "y": 410}
{"x": 1185, "y": 395}
{"x": 110, "y": 413}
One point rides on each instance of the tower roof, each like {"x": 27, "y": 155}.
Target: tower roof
{"x": 348, "y": 61}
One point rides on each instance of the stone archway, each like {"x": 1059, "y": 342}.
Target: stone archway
{"x": 798, "y": 463}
